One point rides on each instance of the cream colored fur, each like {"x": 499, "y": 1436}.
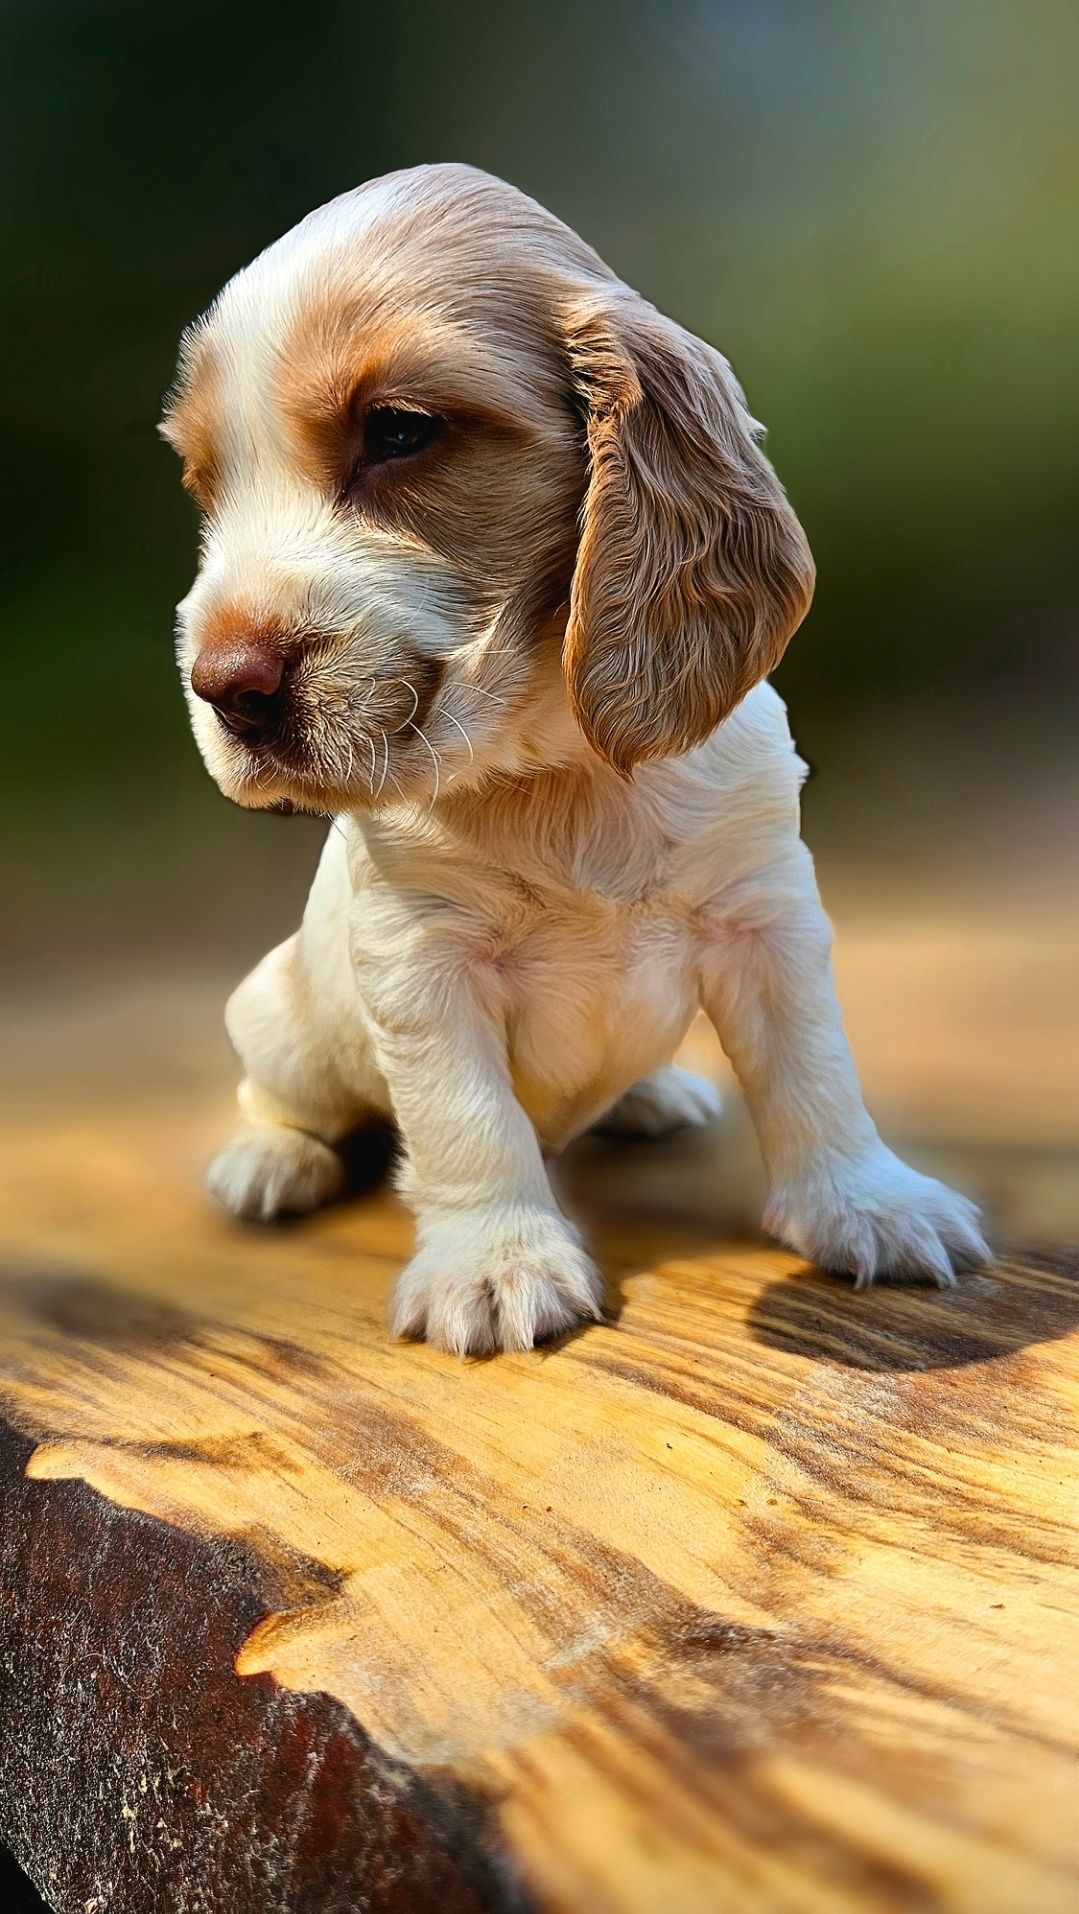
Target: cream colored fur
{"x": 513, "y": 922}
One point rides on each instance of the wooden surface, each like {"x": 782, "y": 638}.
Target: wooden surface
{"x": 761, "y": 1596}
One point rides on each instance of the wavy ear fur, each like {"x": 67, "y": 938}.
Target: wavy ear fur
{"x": 692, "y": 570}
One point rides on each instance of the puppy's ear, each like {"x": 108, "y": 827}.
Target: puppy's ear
{"x": 692, "y": 571}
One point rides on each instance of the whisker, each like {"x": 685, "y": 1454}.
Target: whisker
{"x": 415, "y": 701}
{"x": 460, "y": 727}
{"x": 431, "y": 754}
{"x": 385, "y": 763}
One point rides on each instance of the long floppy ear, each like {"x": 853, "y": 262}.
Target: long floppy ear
{"x": 692, "y": 570}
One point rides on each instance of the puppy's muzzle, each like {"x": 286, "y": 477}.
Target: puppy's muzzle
{"x": 243, "y": 678}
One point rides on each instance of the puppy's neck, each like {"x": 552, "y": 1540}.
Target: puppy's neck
{"x": 541, "y": 776}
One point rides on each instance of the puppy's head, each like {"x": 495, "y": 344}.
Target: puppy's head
{"x": 447, "y": 463}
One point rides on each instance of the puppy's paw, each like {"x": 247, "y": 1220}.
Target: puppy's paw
{"x": 874, "y": 1218}
{"x": 670, "y": 1099}
{"x": 495, "y": 1280}
{"x": 266, "y": 1170}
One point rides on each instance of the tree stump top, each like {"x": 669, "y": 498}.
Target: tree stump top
{"x": 761, "y": 1595}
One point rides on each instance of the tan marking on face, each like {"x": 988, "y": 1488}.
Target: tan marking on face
{"x": 241, "y": 618}
{"x": 192, "y": 419}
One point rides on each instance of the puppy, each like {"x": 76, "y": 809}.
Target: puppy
{"x": 493, "y": 571}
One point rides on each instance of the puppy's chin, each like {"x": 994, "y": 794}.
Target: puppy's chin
{"x": 287, "y": 794}
{"x": 290, "y": 803}
{"x": 258, "y": 780}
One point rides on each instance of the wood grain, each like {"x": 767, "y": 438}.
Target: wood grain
{"x": 760, "y": 1596}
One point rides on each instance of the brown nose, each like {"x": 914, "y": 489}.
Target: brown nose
{"x": 241, "y": 678}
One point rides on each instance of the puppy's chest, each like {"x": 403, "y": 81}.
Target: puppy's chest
{"x": 598, "y": 982}
{"x": 619, "y": 899}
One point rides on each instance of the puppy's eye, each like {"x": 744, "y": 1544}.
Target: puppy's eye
{"x": 391, "y": 432}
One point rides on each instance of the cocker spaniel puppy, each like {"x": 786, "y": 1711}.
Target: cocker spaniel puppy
{"x": 493, "y": 571}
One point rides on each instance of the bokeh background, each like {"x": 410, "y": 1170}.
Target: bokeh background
{"x": 870, "y": 207}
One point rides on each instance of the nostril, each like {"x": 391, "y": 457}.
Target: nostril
{"x": 247, "y": 712}
{"x": 242, "y": 679}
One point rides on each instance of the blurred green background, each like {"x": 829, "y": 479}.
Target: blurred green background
{"x": 870, "y": 207}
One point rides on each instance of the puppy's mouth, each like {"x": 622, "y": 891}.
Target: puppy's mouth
{"x": 322, "y": 747}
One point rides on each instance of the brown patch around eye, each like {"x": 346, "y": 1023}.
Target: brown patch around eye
{"x": 495, "y": 492}
{"x": 346, "y": 358}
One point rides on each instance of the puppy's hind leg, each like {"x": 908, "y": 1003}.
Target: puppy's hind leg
{"x": 266, "y": 1170}
{"x": 668, "y": 1100}
{"x": 310, "y": 1081}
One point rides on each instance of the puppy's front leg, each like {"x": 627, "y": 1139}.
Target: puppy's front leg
{"x": 497, "y": 1266}
{"x": 838, "y": 1195}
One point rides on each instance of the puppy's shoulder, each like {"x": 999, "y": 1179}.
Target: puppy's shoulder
{"x": 749, "y": 763}
{"x": 753, "y": 742}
